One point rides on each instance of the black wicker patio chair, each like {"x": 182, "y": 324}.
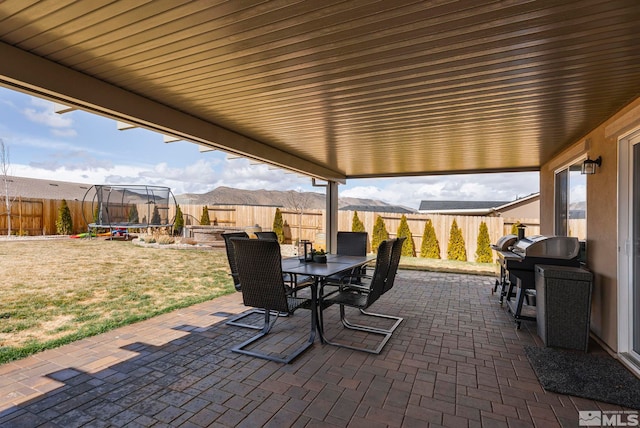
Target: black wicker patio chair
{"x": 396, "y": 253}
{"x": 294, "y": 282}
{"x": 352, "y": 243}
{"x": 362, "y": 297}
{"x": 267, "y": 235}
{"x": 259, "y": 266}
{"x": 231, "y": 257}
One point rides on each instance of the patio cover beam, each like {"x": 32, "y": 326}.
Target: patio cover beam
{"x": 32, "y": 74}
{"x": 331, "y": 226}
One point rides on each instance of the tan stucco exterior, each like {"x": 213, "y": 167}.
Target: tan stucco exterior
{"x": 602, "y": 213}
{"x": 529, "y": 209}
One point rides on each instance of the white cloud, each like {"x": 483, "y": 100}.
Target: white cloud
{"x": 410, "y": 191}
{"x": 199, "y": 177}
{"x": 239, "y": 173}
{"x": 44, "y": 114}
{"x": 578, "y": 193}
{"x": 48, "y": 118}
{"x": 68, "y": 132}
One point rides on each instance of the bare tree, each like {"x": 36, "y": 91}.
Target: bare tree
{"x": 5, "y": 172}
{"x": 299, "y": 201}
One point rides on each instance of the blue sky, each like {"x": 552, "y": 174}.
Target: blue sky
{"x": 86, "y": 148}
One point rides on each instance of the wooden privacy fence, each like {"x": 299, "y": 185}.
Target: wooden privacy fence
{"x": 310, "y": 224}
{"x": 38, "y": 216}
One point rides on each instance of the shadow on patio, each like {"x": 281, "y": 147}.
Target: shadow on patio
{"x": 457, "y": 360}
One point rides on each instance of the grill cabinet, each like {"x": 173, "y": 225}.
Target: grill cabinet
{"x": 517, "y": 267}
{"x": 563, "y": 308}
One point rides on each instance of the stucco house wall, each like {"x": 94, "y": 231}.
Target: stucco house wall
{"x": 527, "y": 209}
{"x": 602, "y": 213}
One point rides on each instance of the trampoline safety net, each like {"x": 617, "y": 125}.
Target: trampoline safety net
{"x": 130, "y": 206}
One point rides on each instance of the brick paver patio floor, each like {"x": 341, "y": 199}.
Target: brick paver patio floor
{"x": 456, "y": 361}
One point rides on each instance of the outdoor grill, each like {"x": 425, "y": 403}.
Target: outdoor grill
{"x": 553, "y": 247}
{"x": 518, "y": 258}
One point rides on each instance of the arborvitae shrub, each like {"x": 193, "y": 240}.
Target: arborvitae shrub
{"x": 204, "y": 218}
{"x": 483, "y": 250}
{"x": 379, "y": 234}
{"x": 155, "y": 217}
{"x": 178, "y": 223}
{"x": 356, "y": 223}
{"x": 456, "y": 249}
{"x": 430, "y": 246}
{"x": 408, "y": 248}
{"x": 133, "y": 214}
{"x": 278, "y": 225}
{"x": 514, "y": 228}
{"x": 64, "y": 223}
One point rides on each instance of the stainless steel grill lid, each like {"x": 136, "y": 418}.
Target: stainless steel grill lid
{"x": 553, "y": 247}
{"x": 505, "y": 242}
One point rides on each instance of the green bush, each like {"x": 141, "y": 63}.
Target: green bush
{"x": 430, "y": 246}
{"x": 204, "y": 218}
{"x": 483, "y": 250}
{"x": 278, "y": 225}
{"x": 408, "y": 248}
{"x": 456, "y": 249}
{"x": 356, "y": 223}
{"x": 133, "y": 214}
{"x": 155, "y": 217}
{"x": 64, "y": 223}
{"x": 178, "y": 223}
{"x": 379, "y": 234}
{"x": 514, "y": 228}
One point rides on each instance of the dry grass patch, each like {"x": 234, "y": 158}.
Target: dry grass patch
{"x": 54, "y": 292}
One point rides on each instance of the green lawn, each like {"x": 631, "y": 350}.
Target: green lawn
{"x": 58, "y": 291}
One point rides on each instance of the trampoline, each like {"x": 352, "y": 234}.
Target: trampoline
{"x": 124, "y": 207}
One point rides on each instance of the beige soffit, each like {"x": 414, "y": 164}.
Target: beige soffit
{"x": 338, "y": 89}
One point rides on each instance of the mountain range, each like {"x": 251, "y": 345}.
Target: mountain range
{"x": 285, "y": 199}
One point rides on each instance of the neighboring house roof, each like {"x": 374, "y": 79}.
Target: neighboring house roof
{"x": 33, "y": 188}
{"x": 459, "y": 205}
{"x": 472, "y": 207}
{"x": 525, "y": 199}
{"x": 378, "y": 208}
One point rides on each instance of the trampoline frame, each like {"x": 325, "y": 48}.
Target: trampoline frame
{"x": 114, "y": 204}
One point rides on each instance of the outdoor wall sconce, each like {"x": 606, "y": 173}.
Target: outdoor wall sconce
{"x": 589, "y": 166}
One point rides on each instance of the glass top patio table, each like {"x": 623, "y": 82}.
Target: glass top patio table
{"x": 335, "y": 264}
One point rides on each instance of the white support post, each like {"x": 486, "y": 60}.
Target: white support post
{"x": 332, "y": 216}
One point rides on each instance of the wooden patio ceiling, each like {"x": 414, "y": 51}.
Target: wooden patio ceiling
{"x": 338, "y": 89}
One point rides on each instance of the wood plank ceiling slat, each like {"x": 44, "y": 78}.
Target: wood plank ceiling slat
{"x": 365, "y": 88}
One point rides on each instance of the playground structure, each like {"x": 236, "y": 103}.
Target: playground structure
{"x": 120, "y": 208}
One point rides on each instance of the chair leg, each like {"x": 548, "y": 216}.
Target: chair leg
{"x": 373, "y": 314}
{"x": 264, "y": 331}
{"x": 386, "y": 333}
{"x": 235, "y": 321}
